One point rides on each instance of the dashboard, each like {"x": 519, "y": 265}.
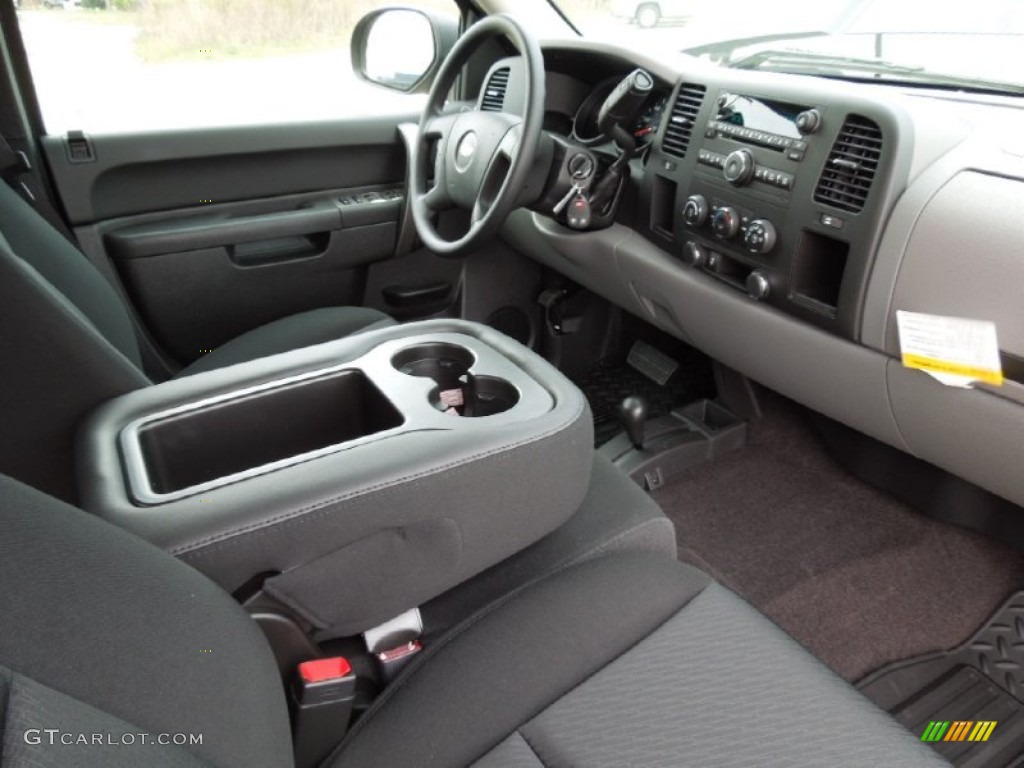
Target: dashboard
{"x": 779, "y": 222}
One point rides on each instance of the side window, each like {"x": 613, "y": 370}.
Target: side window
{"x": 112, "y": 66}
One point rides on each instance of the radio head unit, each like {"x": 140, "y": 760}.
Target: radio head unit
{"x": 761, "y": 116}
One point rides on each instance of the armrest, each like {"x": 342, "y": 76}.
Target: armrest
{"x": 385, "y": 501}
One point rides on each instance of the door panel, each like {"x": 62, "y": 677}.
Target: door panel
{"x": 211, "y": 233}
{"x": 163, "y": 171}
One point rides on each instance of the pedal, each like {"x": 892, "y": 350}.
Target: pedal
{"x": 652, "y": 363}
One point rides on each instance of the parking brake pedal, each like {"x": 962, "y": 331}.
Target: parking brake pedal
{"x": 652, "y": 363}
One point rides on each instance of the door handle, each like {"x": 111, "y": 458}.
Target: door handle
{"x": 193, "y": 234}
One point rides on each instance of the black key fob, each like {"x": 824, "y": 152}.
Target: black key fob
{"x": 577, "y": 215}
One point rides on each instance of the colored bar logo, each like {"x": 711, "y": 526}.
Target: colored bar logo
{"x": 958, "y": 730}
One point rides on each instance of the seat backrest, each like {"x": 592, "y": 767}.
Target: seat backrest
{"x": 67, "y": 344}
{"x": 57, "y": 261}
{"x": 104, "y": 633}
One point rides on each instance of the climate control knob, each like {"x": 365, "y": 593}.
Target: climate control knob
{"x": 694, "y": 254}
{"x": 738, "y": 167}
{"x": 758, "y": 286}
{"x": 725, "y": 222}
{"x": 695, "y": 210}
{"x": 759, "y": 236}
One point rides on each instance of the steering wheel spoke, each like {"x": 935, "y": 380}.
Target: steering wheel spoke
{"x": 483, "y": 160}
{"x": 436, "y": 198}
{"x": 436, "y": 126}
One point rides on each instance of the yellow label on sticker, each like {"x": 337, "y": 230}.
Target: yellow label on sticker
{"x": 958, "y": 351}
{"x": 920, "y": 363}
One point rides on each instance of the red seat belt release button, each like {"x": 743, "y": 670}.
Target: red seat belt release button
{"x": 322, "y": 699}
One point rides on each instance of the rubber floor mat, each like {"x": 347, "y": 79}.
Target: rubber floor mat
{"x": 968, "y": 703}
{"x": 609, "y": 382}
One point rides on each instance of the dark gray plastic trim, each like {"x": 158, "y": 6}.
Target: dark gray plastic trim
{"x": 194, "y": 233}
{"x": 162, "y": 170}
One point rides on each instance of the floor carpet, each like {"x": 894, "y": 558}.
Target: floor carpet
{"x": 856, "y": 576}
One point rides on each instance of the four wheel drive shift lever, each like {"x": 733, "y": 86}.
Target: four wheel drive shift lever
{"x": 632, "y": 416}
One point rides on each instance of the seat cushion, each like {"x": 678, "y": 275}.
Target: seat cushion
{"x": 294, "y": 332}
{"x": 625, "y": 660}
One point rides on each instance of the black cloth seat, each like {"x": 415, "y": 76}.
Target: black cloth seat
{"x": 626, "y": 659}
{"x": 63, "y": 326}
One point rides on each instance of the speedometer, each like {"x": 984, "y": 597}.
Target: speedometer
{"x": 649, "y": 118}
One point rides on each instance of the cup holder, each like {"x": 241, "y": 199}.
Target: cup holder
{"x": 458, "y": 392}
{"x": 445, "y": 363}
{"x": 476, "y": 396}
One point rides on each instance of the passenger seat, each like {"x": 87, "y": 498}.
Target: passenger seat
{"x": 630, "y": 659}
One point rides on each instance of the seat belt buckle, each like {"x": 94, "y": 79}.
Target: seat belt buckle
{"x": 323, "y": 694}
{"x": 395, "y": 643}
{"x": 392, "y": 661}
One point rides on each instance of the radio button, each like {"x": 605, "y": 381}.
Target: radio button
{"x": 796, "y": 155}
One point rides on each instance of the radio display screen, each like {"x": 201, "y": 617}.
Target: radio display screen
{"x": 775, "y": 117}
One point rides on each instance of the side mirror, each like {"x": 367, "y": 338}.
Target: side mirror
{"x": 401, "y": 48}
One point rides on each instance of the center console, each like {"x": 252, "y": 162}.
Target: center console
{"x": 354, "y": 479}
{"x": 777, "y": 197}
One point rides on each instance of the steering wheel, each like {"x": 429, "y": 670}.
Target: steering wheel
{"x": 484, "y": 159}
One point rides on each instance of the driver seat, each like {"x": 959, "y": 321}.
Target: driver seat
{"x": 68, "y": 343}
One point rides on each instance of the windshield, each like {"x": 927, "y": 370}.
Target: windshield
{"x": 974, "y": 45}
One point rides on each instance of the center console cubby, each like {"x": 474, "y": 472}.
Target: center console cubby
{"x": 359, "y": 478}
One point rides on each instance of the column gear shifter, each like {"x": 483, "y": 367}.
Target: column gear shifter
{"x": 620, "y": 106}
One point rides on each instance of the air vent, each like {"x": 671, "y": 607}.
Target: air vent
{"x": 494, "y": 92}
{"x": 683, "y": 119}
{"x": 846, "y": 178}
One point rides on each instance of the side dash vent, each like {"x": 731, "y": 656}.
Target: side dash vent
{"x": 851, "y": 166}
{"x": 683, "y": 119}
{"x": 493, "y": 99}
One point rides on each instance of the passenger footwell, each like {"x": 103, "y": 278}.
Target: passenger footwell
{"x": 967, "y": 703}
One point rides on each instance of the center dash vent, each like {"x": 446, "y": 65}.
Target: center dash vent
{"x": 683, "y": 119}
{"x": 494, "y": 92}
{"x": 851, "y": 166}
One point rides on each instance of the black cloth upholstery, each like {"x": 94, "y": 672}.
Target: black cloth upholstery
{"x": 502, "y": 667}
{"x": 615, "y": 516}
{"x": 294, "y": 332}
{"x": 715, "y": 686}
{"x": 630, "y": 658}
{"x": 68, "y": 343}
{"x": 44, "y": 249}
{"x": 57, "y": 368}
{"x": 92, "y": 612}
{"x": 32, "y": 713}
